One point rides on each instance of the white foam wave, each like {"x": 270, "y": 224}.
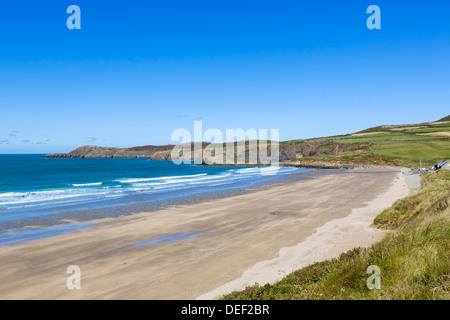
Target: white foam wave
{"x": 84, "y": 191}
{"x": 12, "y": 194}
{"x": 179, "y": 180}
{"x": 133, "y": 180}
{"x": 87, "y": 184}
{"x": 16, "y": 198}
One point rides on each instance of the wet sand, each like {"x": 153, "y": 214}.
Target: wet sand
{"x": 197, "y": 250}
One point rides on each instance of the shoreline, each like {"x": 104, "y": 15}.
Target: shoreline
{"x": 96, "y": 210}
{"x": 191, "y": 249}
{"x": 327, "y": 242}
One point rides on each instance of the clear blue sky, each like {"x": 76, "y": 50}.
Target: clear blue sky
{"x": 137, "y": 70}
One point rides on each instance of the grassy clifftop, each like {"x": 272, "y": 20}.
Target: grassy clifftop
{"x": 414, "y": 259}
{"x": 398, "y": 145}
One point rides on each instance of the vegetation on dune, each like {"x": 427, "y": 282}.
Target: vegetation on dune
{"x": 414, "y": 259}
{"x": 433, "y": 197}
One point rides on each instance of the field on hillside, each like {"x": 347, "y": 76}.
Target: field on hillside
{"x": 403, "y": 145}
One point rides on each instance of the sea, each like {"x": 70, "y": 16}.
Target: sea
{"x": 39, "y": 192}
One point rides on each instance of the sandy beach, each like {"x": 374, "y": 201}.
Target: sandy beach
{"x": 207, "y": 249}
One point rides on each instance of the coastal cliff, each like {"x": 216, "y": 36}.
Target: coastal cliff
{"x": 152, "y": 152}
{"x": 290, "y": 150}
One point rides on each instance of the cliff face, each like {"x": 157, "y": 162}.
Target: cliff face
{"x": 320, "y": 147}
{"x": 288, "y": 150}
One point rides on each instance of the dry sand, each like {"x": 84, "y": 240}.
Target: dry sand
{"x": 315, "y": 219}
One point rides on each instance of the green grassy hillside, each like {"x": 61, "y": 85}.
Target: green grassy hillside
{"x": 401, "y": 145}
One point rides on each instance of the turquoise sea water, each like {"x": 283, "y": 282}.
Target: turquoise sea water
{"x": 40, "y": 192}
{"x": 29, "y": 181}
